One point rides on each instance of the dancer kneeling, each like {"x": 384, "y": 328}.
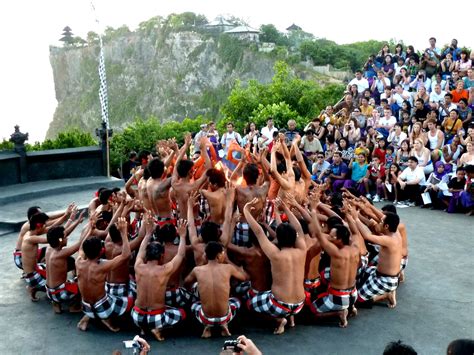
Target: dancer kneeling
{"x": 286, "y": 297}
{"x": 150, "y": 311}
{"x": 92, "y": 273}
{"x": 215, "y": 308}
{"x": 341, "y": 293}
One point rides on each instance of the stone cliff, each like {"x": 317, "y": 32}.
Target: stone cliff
{"x": 169, "y": 75}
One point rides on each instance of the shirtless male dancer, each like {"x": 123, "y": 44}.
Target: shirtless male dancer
{"x": 209, "y": 231}
{"x": 53, "y": 220}
{"x": 35, "y": 273}
{"x": 92, "y": 273}
{"x": 255, "y": 263}
{"x": 341, "y": 293}
{"x": 158, "y": 191}
{"x": 382, "y": 280}
{"x": 286, "y": 297}
{"x": 150, "y": 311}
{"x": 215, "y": 195}
{"x": 182, "y": 179}
{"x": 247, "y": 194}
{"x": 119, "y": 284}
{"x": 58, "y": 288}
{"x": 215, "y": 308}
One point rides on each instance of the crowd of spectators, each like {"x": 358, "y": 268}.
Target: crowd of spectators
{"x": 402, "y": 132}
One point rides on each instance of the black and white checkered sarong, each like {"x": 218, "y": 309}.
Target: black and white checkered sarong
{"x": 234, "y": 305}
{"x": 157, "y": 319}
{"x": 178, "y": 297}
{"x": 376, "y": 284}
{"x": 334, "y": 300}
{"x": 265, "y": 302}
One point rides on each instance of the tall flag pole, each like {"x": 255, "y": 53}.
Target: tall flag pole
{"x": 104, "y": 102}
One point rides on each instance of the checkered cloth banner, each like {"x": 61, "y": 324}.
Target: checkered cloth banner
{"x": 104, "y": 104}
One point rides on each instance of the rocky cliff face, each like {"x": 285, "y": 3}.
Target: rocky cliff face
{"x": 167, "y": 75}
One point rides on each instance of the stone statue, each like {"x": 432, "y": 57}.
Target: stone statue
{"x": 19, "y": 139}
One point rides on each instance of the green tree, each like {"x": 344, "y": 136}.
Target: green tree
{"x": 271, "y": 34}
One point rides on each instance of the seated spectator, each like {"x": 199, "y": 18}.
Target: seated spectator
{"x": 469, "y": 79}
{"x": 398, "y": 97}
{"x": 360, "y": 81}
{"x": 411, "y": 54}
{"x": 429, "y": 63}
{"x": 468, "y": 157}
{"x": 319, "y": 166}
{"x": 409, "y": 182}
{"x": 452, "y": 151}
{"x": 389, "y": 156}
{"x": 463, "y": 63}
{"x": 435, "y": 139}
{"x": 319, "y": 130}
{"x": 467, "y": 196}
{"x": 347, "y": 152}
{"x": 327, "y": 116}
{"x": 333, "y": 131}
{"x": 267, "y": 132}
{"x": 391, "y": 176}
{"x": 453, "y": 50}
{"x": 351, "y": 131}
{"x": 421, "y": 81}
{"x": 420, "y": 111}
{"x": 452, "y": 124}
{"x": 310, "y": 145}
{"x": 459, "y": 93}
{"x": 251, "y": 135}
{"x": 371, "y": 138}
{"x": 361, "y": 148}
{"x": 439, "y": 175}
{"x": 292, "y": 131}
{"x": 437, "y": 94}
{"x": 423, "y": 156}
{"x": 386, "y": 122}
{"x": 365, "y": 108}
{"x": 399, "y": 53}
{"x": 403, "y": 154}
{"x": 417, "y": 133}
{"x": 348, "y": 104}
{"x": 396, "y": 136}
{"x": 379, "y": 150}
{"x": 447, "y": 66}
{"x": 405, "y": 121}
{"x": 337, "y": 172}
{"x": 379, "y": 85}
{"x": 359, "y": 174}
{"x": 448, "y": 105}
{"x": 465, "y": 113}
{"x": 451, "y": 83}
{"x": 330, "y": 147}
{"x": 376, "y": 177}
{"x": 455, "y": 187}
{"x": 387, "y": 67}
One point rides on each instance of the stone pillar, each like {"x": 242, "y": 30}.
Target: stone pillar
{"x": 102, "y": 134}
{"x": 19, "y": 139}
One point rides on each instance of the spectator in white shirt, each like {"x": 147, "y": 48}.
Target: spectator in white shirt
{"x": 421, "y": 80}
{"x": 360, "y": 81}
{"x": 229, "y": 136}
{"x": 267, "y": 132}
{"x": 409, "y": 183}
{"x": 386, "y": 122}
{"x": 396, "y": 136}
{"x": 437, "y": 95}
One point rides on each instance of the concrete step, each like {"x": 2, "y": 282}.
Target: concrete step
{"x": 32, "y": 190}
{"x": 52, "y": 196}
